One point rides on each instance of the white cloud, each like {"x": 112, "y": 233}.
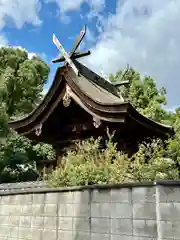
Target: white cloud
{"x": 90, "y": 37}
{"x": 146, "y": 35}
{"x": 42, "y": 55}
{"x": 20, "y": 12}
{"x": 3, "y": 41}
{"x": 66, "y": 6}
{"x": 31, "y": 55}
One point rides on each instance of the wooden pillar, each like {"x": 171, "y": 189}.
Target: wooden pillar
{"x": 58, "y": 157}
{"x": 62, "y": 148}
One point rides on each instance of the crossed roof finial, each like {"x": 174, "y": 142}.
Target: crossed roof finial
{"x": 68, "y": 57}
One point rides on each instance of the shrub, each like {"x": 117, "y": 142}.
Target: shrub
{"x": 19, "y": 158}
{"x": 152, "y": 162}
{"x": 90, "y": 165}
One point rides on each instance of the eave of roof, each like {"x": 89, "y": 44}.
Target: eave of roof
{"x": 92, "y": 93}
{"x": 57, "y": 82}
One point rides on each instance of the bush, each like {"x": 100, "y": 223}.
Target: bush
{"x": 152, "y": 162}
{"x": 19, "y": 158}
{"x": 90, "y": 165}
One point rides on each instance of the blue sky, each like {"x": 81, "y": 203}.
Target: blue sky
{"x": 37, "y": 38}
{"x": 143, "y": 33}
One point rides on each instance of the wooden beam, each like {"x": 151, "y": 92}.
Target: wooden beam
{"x": 65, "y": 54}
{"x": 120, "y": 83}
{"x": 117, "y": 84}
{"x": 78, "y": 41}
{"x": 75, "y": 56}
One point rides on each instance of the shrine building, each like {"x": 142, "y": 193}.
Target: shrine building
{"x": 81, "y": 104}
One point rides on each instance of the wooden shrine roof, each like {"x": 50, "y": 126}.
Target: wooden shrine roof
{"x": 93, "y": 94}
{"x": 81, "y": 99}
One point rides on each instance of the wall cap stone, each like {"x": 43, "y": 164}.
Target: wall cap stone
{"x": 18, "y": 191}
{"x": 167, "y": 182}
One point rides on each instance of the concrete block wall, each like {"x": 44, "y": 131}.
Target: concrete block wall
{"x": 168, "y": 209}
{"x": 126, "y": 212}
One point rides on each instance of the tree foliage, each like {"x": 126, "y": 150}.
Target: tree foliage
{"x": 89, "y": 165}
{"x": 21, "y": 84}
{"x": 4, "y": 130}
{"x": 19, "y": 157}
{"x": 21, "y": 80}
{"x": 143, "y": 94}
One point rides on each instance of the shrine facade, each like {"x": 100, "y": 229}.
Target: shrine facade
{"x": 81, "y": 104}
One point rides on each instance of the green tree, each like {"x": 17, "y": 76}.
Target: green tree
{"x": 174, "y": 143}
{"x": 143, "y": 94}
{"x": 19, "y": 157}
{"x": 4, "y": 130}
{"x": 21, "y": 85}
{"x": 21, "y": 80}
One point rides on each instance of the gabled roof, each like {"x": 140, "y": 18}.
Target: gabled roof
{"x": 92, "y": 93}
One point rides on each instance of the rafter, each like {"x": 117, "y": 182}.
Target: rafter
{"x": 75, "y": 56}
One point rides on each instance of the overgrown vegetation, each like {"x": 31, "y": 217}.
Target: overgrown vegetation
{"x": 89, "y": 165}
{"x": 21, "y": 85}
